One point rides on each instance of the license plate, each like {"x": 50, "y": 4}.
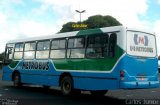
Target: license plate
{"x": 141, "y": 78}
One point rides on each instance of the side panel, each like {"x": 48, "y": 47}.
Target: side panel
{"x": 96, "y": 83}
{"x": 86, "y": 80}
{"x": 7, "y": 73}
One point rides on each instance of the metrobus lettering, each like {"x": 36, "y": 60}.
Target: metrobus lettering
{"x": 35, "y": 65}
{"x": 141, "y": 49}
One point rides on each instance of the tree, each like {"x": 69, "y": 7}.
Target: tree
{"x": 67, "y": 27}
{"x": 96, "y": 21}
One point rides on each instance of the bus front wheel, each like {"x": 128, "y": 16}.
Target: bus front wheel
{"x": 17, "y": 80}
{"x": 67, "y": 85}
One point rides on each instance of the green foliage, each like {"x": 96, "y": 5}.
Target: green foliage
{"x": 96, "y": 21}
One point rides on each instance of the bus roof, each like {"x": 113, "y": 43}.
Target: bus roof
{"x": 76, "y": 33}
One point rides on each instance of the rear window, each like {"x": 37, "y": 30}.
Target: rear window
{"x": 141, "y": 44}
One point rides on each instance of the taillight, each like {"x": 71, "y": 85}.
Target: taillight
{"x": 122, "y": 73}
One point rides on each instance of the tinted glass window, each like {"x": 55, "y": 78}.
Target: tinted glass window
{"x": 55, "y": 44}
{"x": 30, "y": 46}
{"x": 76, "y": 43}
{"x": 76, "y": 48}
{"x": 43, "y": 50}
{"x": 58, "y": 49}
{"x": 75, "y": 53}
{"x": 97, "y": 46}
{"x": 43, "y": 45}
{"x": 29, "y": 51}
{"x": 57, "y": 54}
{"x": 71, "y": 43}
{"x": 58, "y": 44}
{"x": 19, "y": 47}
{"x": 18, "y": 54}
{"x": 79, "y": 42}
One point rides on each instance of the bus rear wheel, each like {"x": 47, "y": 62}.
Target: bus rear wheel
{"x": 99, "y": 93}
{"x": 67, "y": 85}
{"x": 17, "y": 80}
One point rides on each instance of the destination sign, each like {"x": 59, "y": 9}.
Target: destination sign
{"x": 141, "y": 44}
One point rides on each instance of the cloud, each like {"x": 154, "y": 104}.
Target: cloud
{"x": 17, "y": 1}
{"x": 3, "y": 19}
{"x": 157, "y": 32}
{"x": 158, "y": 1}
{"x": 25, "y": 29}
{"x": 124, "y": 10}
{"x": 32, "y": 28}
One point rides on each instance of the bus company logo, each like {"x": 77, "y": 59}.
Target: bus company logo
{"x": 143, "y": 40}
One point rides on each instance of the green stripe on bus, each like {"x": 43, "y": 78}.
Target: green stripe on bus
{"x": 93, "y": 64}
{"x": 13, "y": 64}
{"x": 89, "y": 32}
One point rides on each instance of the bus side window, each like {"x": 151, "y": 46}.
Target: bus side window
{"x": 42, "y": 51}
{"x": 29, "y": 50}
{"x": 97, "y": 46}
{"x": 93, "y": 47}
{"x": 112, "y": 44}
{"x": 58, "y": 49}
{"x": 18, "y": 54}
{"x": 75, "y": 48}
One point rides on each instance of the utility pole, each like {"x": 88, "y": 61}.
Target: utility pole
{"x": 80, "y": 13}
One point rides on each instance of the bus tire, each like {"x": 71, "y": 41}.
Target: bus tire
{"x": 66, "y": 85}
{"x": 99, "y": 93}
{"x": 17, "y": 80}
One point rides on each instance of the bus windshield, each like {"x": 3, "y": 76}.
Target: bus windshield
{"x": 141, "y": 44}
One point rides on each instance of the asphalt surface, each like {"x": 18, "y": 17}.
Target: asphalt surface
{"x": 36, "y": 95}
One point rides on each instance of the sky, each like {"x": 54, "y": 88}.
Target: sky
{"x": 31, "y": 18}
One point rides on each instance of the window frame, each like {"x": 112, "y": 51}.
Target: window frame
{"x": 30, "y": 42}
{"x": 96, "y": 47}
{"x": 64, "y": 38}
{"x": 7, "y": 54}
{"x": 74, "y": 38}
{"x": 18, "y": 51}
{"x": 108, "y": 44}
{"x": 84, "y": 46}
{"x": 30, "y": 50}
{"x": 43, "y": 49}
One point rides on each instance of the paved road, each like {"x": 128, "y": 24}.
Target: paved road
{"x": 36, "y": 95}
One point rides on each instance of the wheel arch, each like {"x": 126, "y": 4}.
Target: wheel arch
{"x": 15, "y": 71}
{"x": 63, "y": 75}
